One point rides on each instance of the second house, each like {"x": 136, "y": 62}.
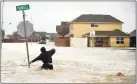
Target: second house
{"x": 108, "y": 31}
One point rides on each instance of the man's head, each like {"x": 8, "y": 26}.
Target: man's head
{"x": 42, "y": 49}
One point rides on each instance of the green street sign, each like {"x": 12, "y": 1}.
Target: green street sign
{"x": 22, "y": 7}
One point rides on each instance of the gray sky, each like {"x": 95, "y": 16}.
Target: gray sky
{"x": 46, "y": 15}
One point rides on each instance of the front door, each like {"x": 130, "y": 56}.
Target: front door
{"x": 102, "y": 42}
{"x": 99, "y": 42}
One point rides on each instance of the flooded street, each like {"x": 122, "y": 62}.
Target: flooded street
{"x": 71, "y": 65}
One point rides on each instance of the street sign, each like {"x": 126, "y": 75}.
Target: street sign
{"x": 29, "y": 28}
{"x": 21, "y": 28}
{"x": 92, "y": 33}
{"x": 22, "y": 7}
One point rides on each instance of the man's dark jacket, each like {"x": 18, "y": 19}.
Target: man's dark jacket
{"x": 45, "y": 56}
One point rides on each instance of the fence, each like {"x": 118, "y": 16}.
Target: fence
{"x": 62, "y": 41}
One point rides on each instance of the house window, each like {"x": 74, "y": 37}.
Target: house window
{"x": 120, "y": 40}
{"x": 94, "y": 25}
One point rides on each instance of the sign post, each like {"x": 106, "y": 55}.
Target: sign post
{"x": 22, "y": 8}
{"x": 26, "y": 37}
{"x": 92, "y": 34}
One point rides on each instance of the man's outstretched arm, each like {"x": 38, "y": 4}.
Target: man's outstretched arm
{"x": 51, "y": 52}
{"x": 36, "y": 59}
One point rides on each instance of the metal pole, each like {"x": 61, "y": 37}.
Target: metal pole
{"x": 26, "y": 37}
{"x": 31, "y": 40}
{"x": 92, "y": 43}
{"x": 2, "y": 24}
{"x": 2, "y": 15}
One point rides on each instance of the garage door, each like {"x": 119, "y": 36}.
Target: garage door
{"x": 78, "y": 42}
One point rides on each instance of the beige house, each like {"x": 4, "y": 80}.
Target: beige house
{"x": 108, "y": 30}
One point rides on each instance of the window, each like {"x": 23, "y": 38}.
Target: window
{"x": 94, "y": 25}
{"x": 120, "y": 40}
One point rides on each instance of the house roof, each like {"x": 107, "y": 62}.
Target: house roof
{"x": 68, "y": 35}
{"x": 38, "y": 33}
{"x": 63, "y": 29}
{"x": 65, "y": 24}
{"x": 96, "y": 18}
{"x": 58, "y": 35}
{"x": 115, "y": 32}
{"x": 133, "y": 33}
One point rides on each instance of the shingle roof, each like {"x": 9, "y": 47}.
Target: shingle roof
{"x": 116, "y": 32}
{"x": 65, "y": 24}
{"x": 96, "y": 18}
{"x": 63, "y": 29}
{"x": 133, "y": 33}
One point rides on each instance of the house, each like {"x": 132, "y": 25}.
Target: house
{"x": 62, "y": 38}
{"x": 51, "y": 36}
{"x": 38, "y": 35}
{"x": 133, "y": 38}
{"x": 8, "y": 39}
{"x": 35, "y": 36}
{"x": 108, "y": 31}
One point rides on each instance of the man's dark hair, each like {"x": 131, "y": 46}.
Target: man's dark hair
{"x": 43, "y": 49}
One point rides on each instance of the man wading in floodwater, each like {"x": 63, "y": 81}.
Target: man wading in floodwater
{"x": 46, "y": 58}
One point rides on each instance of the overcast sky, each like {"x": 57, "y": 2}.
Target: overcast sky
{"x": 46, "y": 15}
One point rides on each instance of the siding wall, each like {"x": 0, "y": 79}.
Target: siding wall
{"x": 114, "y": 44}
{"x": 81, "y": 28}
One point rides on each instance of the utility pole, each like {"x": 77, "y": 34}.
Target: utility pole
{"x": 1, "y": 33}
{"x": 2, "y": 14}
